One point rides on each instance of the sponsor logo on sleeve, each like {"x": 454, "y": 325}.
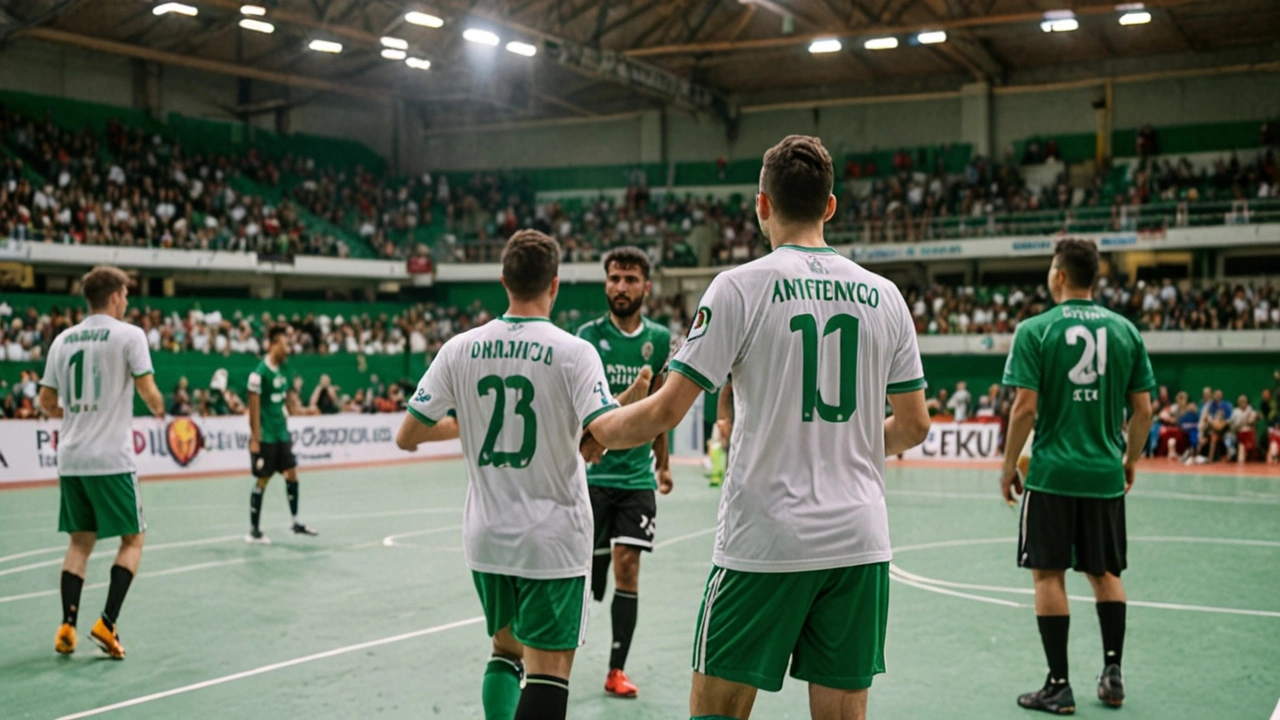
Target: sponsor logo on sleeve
{"x": 701, "y": 320}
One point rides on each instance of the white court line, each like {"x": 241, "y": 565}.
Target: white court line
{"x": 682, "y": 538}
{"x": 943, "y": 591}
{"x": 1275, "y": 714}
{"x": 390, "y": 540}
{"x": 106, "y": 553}
{"x": 1249, "y": 499}
{"x": 273, "y": 667}
{"x": 29, "y": 553}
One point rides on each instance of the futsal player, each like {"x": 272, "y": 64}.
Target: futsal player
{"x": 815, "y": 343}
{"x": 1076, "y": 367}
{"x": 270, "y": 444}
{"x": 90, "y": 375}
{"x": 523, "y": 391}
{"x": 622, "y": 483}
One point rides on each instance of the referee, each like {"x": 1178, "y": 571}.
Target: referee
{"x": 1077, "y": 368}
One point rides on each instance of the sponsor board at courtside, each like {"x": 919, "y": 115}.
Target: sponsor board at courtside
{"x": 185, "y": 445}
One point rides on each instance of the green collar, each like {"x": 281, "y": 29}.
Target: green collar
{"x": 824, "y": 250}
{"x": 518, "y": 319}
{"x": 1077, "y": 301}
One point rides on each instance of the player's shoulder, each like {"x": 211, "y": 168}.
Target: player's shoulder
{"x": 591, "y": 328}
{"x": 656, "y": 328}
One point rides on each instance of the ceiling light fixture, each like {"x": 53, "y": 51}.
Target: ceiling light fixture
{"x": 932, "y": 38}
{"x": 418, "y": 63}
{"x": 1135, "y": 18}
{"x": 254, "y": 10}
{"x": 522, "y": 48}
{"x": 883, "y": 43}
{"x": 480, "y": 37}
{"x": 1060, "y": 26}
{"x": 326, "y": 46}
{"x": 423, "y": 19}
{"x": 393, "y": 54}
{"x": 257, "y": 26}
{"x": 824, "y": 46}
{"x": 395, "y": 43}
{"x": 175, "y": 7}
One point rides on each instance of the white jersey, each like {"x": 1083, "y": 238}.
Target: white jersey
{"x": 93, "y": 366}
{"x": 814, "y": 342}
{"x": 523, "y": 391}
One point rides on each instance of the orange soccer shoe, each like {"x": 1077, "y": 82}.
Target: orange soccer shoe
{"x": 619, "y": 685}
{"x": 65, "y": 641}
{"x": 107, "y": 639}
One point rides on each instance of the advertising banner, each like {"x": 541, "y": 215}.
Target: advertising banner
{"x": 959, "y": 441}
{"x": 199, "y": 445}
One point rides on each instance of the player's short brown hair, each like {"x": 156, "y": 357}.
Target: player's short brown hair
{"x": 627, "y": 257}
{"x": 100, "y": 283}
{"x": 276, "y": 331}
{"x": 798, "y": 176}
{"x": 530, "y": 261}
{"x": 1078, "y": 258}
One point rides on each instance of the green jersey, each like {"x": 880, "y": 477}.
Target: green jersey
{"x": 1084, "y": 361}
{"x": 623, "y": 355}
{"x": 270, "y": 384}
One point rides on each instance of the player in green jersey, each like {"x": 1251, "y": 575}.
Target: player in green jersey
{"x": 1077, "y": 368}
{"x": 270, "y": 445}
{"x": 622, "y": 483}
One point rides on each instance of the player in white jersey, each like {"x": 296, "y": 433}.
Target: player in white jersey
{"x": 815, "y": 343}
{"x": 90, "y": 376}
{"x": 522, "y": 391}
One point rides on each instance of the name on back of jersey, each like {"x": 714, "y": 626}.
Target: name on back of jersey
{"x": 534, "y": 352}
{"x": 786, "y": 290}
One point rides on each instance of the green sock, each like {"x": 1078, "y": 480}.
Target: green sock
{"x": 501, "y": 690}
{"x": 712, "y": 717}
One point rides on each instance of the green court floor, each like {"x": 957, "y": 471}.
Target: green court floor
{"x": 377, "y": 616}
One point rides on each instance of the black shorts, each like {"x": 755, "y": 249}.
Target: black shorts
{"x": 1058, "y": 532}
{"x": 624, "y": 517}
{"x": 272, "y": 458}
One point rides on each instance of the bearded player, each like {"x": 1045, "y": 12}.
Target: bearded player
{"x": 622, "y": 484}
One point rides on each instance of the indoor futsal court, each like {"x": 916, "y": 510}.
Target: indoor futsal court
{"x": 377, "y": 617}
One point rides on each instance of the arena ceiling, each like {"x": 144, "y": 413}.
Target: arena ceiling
{"x": 598, "y": 57}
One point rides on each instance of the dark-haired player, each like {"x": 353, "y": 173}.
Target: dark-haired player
{"x": 816, "y": 343}
{"x": 622, "y": 484}
{"x": 270, "y": 445}
{"x": 523, "y": 391}
{"x": 1076, "y": 367}
{"x": 89, "y": 379}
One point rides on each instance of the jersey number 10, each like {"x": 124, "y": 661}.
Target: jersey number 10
{"x": 497, "y": 386}
{"x": 811, "y": 346}
{"x": 1086, "y": 372}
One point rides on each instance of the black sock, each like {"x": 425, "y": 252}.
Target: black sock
{"x": 71, "y": 586}
{"x": 255, "y": 506}
{"x": 1111, "y": 619}
{"x": 120, "y": 579}
{"x": 292, "y": 489}
{"x": 545, "y": 697}
{"x": 1054, "y": 630}
{"x": 600, "y": 573}
{"x": 624, "y": 626}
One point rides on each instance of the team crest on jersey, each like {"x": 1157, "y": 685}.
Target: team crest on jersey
{"x": 646, "y": 350}
{"x": 816, "y": 266}
{"x": 422, "y": 396}
{"x": 184, "y": 440}
{"x": 701, "y": 320}
{"x": 604, "y": 345}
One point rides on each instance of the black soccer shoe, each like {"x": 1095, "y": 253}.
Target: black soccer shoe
{"x": 1053, "y": 698}
{"x": 1111, "y": 686}
{"x": 300, "y": 529}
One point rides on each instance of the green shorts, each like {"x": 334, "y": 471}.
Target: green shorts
{"x": 110, "y": 505}
{"x": 828, "y": 624}
{"x": 542, "y": 614}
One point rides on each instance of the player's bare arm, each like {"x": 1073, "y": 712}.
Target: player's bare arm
{"x": 641, "y": 422}
{"x": 255, "y": 422}
{"x": 724, "y": 411}
{"x": 150, "y": 394}
{"x": 1022, "y": 418}
{"x": 662, "y": 452}
{"x": 1139, "y": 430}
{"x": 414, "y": 432}
{"x": 591, "y": 449}
{"x": 49, "y": 402}
{"x": 909, "y": 424}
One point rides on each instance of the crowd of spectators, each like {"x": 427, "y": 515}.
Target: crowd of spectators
{"x": 140, "y": 190}
{"x": 1168, "y": 305}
